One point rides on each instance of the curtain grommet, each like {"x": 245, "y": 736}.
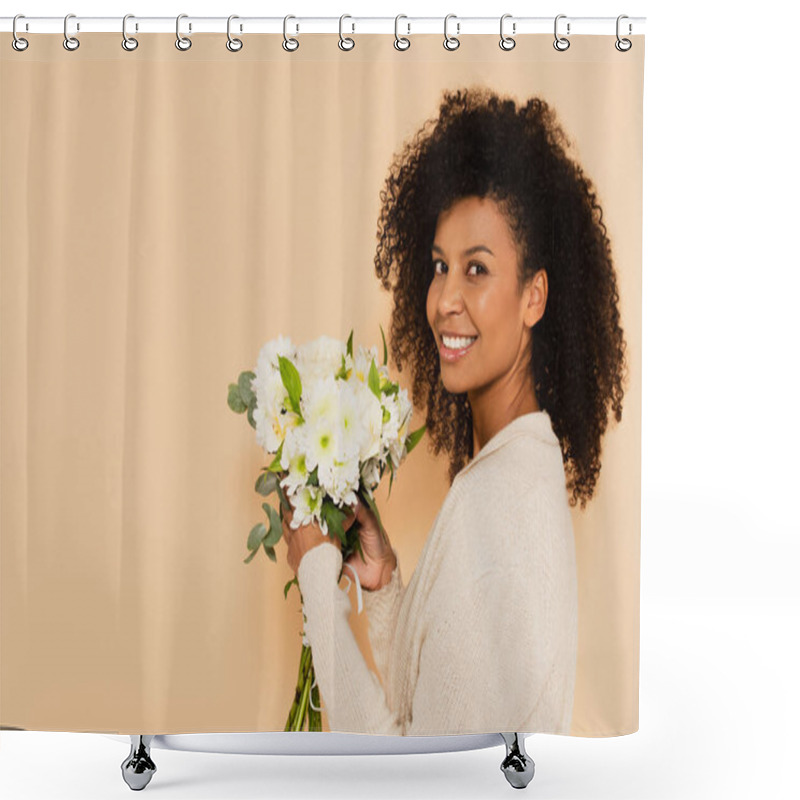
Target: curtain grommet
{"x": 233, "y": 44}
{"x": 451, "y": 42}
{"x": 70, "y": 42}
{"x": 560, "y": 43}
{"x": 17, "y": 42}
{"x": 289, "y": 44}
{"x": 623, "y": 45}
{"x": 346, "y": 42}
{"x": 129, "y": 43}
{"x": 507, "y": 42}
{"x": 401, "y": 42}
{"x": 182, "y": 42}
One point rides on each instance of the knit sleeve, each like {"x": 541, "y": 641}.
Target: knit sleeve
{"x": 498, "y": 652}
{"x": 351, "y": 693}
{"x": 383, "y": 607}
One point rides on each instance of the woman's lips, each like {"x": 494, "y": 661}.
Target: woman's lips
{"x": 455, "y": 354}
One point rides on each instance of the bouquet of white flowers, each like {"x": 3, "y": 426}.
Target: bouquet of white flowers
{"x": 334, "y": 422}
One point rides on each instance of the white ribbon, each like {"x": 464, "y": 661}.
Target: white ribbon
{"x": 358, "y": 586}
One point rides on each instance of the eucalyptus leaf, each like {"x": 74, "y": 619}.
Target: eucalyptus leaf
{"x": 270, "y": 551}
{"x": 275, "y": 526}
{"x": 267, "y": 483}
{"x": 251, "y": 556}
{"x": 245, "y": 388}
{"x": 235, "y": 402}
{"x": 257, "y": 533}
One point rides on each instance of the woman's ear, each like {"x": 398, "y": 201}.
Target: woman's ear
{"x": 536, "y": 298}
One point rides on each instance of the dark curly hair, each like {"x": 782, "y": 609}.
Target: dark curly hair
{"x": 484, "y": 145}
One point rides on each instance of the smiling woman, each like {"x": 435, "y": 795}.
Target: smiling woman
{"x": 505, "y": 306}
{"x": 489, "y": 229}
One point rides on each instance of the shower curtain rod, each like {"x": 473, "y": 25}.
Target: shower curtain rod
{"x": 407, "y": 26}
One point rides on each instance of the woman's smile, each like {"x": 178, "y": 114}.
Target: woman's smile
{"x": 453, "y": 348}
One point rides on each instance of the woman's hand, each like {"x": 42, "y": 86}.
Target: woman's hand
{"x": 379, "y": 561}
{"x": 300, "y": 540}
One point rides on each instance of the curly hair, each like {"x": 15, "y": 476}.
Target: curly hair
{"x": 484, "y": 145}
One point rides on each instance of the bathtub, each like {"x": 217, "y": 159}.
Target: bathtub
{"x": 138, "y": 767}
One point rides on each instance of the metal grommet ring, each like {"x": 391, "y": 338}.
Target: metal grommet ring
{"x": 623, "y": 45}
{"x": 289, "y": 44}
{"x": 506, "y": 42}
{"x": 70, "y": 42}
{"x": 451, "y": 42}
{"x": 182, "y": 42}
{"x": 560, "y": 42}
{"x": 234, "y": 45}
{"x": 345, "y": 42}
{"x": 18, "y": 43}
{"x": 128, "y": 42}
{"x": 400, "y": 42}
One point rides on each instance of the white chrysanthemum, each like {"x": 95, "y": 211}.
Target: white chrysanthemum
{"x": 307, "y": 505}
{"x": 320, "y": 358}
{"x": 293, "y": 459}
{"x": 362, "y": 359}
{"x": 268, "y": 355}
{"x": 320, "y": 407}
{"x": 371, "y": 473}
{"x": 371, "y": 416}
{"x": 272, "y": 423}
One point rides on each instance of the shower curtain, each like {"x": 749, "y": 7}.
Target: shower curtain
{"x": 320, "y": 385}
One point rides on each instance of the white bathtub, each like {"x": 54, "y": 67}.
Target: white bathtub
{"x": 138, "y": 768}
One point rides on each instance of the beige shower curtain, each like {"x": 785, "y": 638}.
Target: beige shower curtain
{"x": 165, "y": 213}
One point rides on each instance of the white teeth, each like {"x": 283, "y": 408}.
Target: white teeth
{"x": 457, "y": 343}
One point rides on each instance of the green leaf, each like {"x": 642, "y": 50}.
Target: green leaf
{"x": 385, "y": 351}
{"x": 275, "y": 466}
{"x": 245, "y": 389}
{"x": 291, "y": 381}
{"x": 374, "y": 380}
{"x": 285, "y": 504}
{"x": 235, "y": 402}
{"x": 334, "y": 516}
{"x": 350, "y": 344}
{"x": 250, "y": 418}
{"x": 391, "y": 475}
{"x": 413, "y": 438}
{"x": 257, "y": 534}
{"x": 288, "y": 586}
{"x": 267, "y": 483}
{"x": 371, "y": 503}
{"x": 270, "y": 551}
{"x": 251, "y": 556}
{"x": 275, "y": 526}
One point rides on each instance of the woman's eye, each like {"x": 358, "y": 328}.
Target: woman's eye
{"x": 439, "y": 261}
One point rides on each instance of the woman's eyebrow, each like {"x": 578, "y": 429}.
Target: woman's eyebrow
{"x": 469, "y": 251}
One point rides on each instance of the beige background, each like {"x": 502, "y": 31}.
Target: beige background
{"x": 163, "y": 214}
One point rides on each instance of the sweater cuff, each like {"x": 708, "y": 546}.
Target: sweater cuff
{"x": 319, "y": 567}
{"x": 381, "y": 600}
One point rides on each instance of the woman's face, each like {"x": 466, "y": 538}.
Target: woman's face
{"x": 473, "y": 293}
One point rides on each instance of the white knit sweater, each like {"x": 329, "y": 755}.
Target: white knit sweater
{"x": 483, "y": 639}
